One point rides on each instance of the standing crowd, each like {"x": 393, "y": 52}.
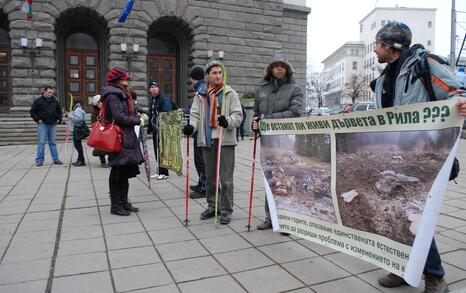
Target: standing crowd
{"x": 216, "y": 113}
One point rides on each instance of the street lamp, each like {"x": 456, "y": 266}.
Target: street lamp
{"x": 129, "y": 55}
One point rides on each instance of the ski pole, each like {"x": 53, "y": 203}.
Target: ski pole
{"x": 217, "y": 172}
{"x": 68, "y": 132}
{"x": 187, "y": 179}
{"x": 251, "y": 192}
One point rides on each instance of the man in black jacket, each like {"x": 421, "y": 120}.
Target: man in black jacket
{"x": 157, "y": 103}
{"x": 46, "y": 112}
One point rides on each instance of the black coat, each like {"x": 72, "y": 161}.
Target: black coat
{"x": 157, "y": 104}
{"x": 117, "y": 111}
{"x": 47, "y": 110}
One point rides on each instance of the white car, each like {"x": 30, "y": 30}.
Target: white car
{"x": 322, "y": 111}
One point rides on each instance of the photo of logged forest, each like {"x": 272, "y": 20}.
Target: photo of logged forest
{"x": 383, "y": 179}
{"x": 297, "y": 169}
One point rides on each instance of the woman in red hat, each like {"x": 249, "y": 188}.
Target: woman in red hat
{"x": 119, "y": 109}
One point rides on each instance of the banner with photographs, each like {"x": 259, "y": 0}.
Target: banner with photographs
{"x": 369, "y": 184}
{"x": 170, "y": 141}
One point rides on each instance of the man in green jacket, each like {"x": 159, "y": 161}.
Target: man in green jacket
{"x": 277, "y": 97}
{"x": 216, "y": 105}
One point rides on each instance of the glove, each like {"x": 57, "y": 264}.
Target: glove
{"x": 188, "y": 130}
{"x": 222, "y": 121}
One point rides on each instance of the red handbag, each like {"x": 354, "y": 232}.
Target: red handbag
{"x": 105, "y": 136}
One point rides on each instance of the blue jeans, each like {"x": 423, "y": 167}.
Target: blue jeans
{"x": 433, "y": 265}
{"x": 48, "y": 132}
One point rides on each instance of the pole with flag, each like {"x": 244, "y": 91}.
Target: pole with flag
{"x": 27, "y": 7}
{"x": 126, "y": 10}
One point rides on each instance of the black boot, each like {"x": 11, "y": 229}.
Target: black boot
{"x": 115, "y": 194}
{"x": 124, "y": 198}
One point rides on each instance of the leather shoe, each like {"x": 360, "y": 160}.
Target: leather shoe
{"x": 195, "y": 194}
{"x": 58, "y": 162}
{"x": 265, "y": 225}
{"x": 207, "y": 214}
{"x": 79, "y": 163}
{"x": 129, "y": 207}
{"x": 225, "y": 218}
{"x": 391, "y": 281}
{"x": 196, "y": 188}
{"x": 39, "y": 164}
{"x": 119, "y": 210}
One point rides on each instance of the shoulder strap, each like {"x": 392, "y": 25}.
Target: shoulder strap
{"x": 422, "y": 71}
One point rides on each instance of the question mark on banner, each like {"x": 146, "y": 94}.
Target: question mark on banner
{"x": 427, "y": 112}
{"x": 435, "y": 113}
{"x": 445, "y": 112}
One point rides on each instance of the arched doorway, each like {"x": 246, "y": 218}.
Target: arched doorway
{"x": 168, "y": 42}
{"x": 162, "y": 65}
{"x": 5, "y": 88}
{"x": 81, "y": 68}
{"x": 82, "y": 56}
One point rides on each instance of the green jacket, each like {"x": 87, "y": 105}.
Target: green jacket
{"x": 232, "y": 111}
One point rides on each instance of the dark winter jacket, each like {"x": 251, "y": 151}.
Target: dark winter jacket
{"x": 47, "y": 110}
{"x": 117, "y": 111}
{"x": 95, "y": 114}
{"x": 157, "y": 104}
{"x": 278, "y": 99}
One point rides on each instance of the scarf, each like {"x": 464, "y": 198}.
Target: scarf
{"x": 213, "y": 92}
{"x": 129, "y": 101}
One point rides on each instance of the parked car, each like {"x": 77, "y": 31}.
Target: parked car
{"x": 319, "y": 111}
{"x": 358, "y": 107}
{"x": 341, "y": 109}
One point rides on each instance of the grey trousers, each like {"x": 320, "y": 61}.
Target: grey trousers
{"x": 267, "y": 211}
{"x": 227, "y": 166}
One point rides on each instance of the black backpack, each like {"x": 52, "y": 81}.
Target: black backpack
{"x": 422, "y": 70}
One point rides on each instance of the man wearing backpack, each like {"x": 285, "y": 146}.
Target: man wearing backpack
{"x": 413, "y": 76}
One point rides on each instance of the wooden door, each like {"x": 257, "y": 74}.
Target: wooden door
{"x": 162, "y": 68}
{"x": 82, "y": 77}
{"x": 5, "y": 92}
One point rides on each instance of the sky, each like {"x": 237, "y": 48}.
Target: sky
{"x": 332, "y": 23}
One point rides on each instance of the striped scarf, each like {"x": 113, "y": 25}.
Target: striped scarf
{"x": 213, "y": 92}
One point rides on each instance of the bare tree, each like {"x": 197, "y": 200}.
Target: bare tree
{"x": 316, "y": 86}
{"x": 355, "y": 86}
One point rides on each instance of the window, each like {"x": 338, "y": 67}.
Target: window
{"x": 360, "y": 28}
{"x": 429, "y": 23}
{"x": 355, "y": 65}
{"x": 373, "y": 25}
{"x": 382, "y": 23}
{"x": 429, "y": 43}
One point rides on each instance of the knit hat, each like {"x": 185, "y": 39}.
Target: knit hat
{"x": 395, "y": 34}
{"x": 211, "y": 63}
{"x": 197, "y": 73}
{"x": 95, "y": 100}
{"x": 153, "y": 82}
{"x": 116, "y": 74}
{"x": 278, "y": 58}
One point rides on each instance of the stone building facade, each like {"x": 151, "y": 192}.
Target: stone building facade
{"x": 70, "y": 44}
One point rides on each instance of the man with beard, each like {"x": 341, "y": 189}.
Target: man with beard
{"x": 400, "y": 84}
{"x": 216, "y": 105}
{"x": 277, "y": 97}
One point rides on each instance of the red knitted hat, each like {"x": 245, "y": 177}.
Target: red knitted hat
{"x": 116, "y": 74}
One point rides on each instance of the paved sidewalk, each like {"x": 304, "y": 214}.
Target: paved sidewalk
{"x": 57, "y": 235}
